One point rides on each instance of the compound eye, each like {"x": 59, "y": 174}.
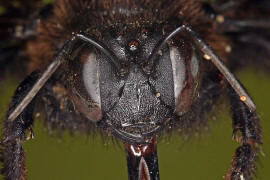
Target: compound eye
{"x": 90, "y": 77}
{"x": 179, "y": 71}
{"x": 83, "y": 79}
{"x": 185, "y": 75}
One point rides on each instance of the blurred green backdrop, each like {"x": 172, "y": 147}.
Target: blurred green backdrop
{"x": 206, "y": 157}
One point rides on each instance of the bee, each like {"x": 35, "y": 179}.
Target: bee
{"x": 134, "y": 70}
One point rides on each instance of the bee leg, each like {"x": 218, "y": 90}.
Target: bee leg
{"x": 15, "y": 132}
{"x": 247, "y": 131}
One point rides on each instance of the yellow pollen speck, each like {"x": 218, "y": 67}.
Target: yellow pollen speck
{"x": 158, "y": 95}
{"x": 18, "y": 31}
{"x": 163, "y": 32}
{"x": 228, "y": 49}
{"x": 30, "y": 134}
{"x": 243, "y": 98}
{"x": 37, "y": 114}
{"x": 206, "y": 56}
{"x": 220, "y": 19}
{"x": 242, "y": 177}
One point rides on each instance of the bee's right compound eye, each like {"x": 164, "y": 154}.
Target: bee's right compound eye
{"x": 83, "y": 79}
{"x": 186, "y": 75}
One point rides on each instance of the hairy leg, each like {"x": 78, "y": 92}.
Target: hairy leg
{"x": 247, "y": 131}
{"x": 14, "y": 133}
{"x": 60, "y": 113}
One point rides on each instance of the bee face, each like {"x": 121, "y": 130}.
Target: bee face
{"x": 136, "y": 105}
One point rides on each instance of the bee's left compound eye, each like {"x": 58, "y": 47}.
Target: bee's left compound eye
{"x": 90, "y": 77}
{"x": 83, "y": 77}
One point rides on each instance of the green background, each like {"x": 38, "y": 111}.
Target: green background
{"x": 205, "y": 157}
